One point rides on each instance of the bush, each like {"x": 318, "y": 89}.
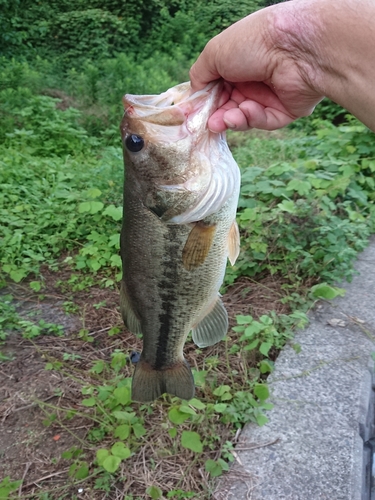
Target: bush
{"x": 82, "y": 30}
{"x": 311, "y": 216}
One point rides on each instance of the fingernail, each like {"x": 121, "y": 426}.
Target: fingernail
{"x": 229, "y": 124}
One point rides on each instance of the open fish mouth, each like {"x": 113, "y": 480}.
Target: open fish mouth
{"x": 175, "y": 106}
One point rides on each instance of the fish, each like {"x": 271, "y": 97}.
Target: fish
{"x": 179, "y": 228}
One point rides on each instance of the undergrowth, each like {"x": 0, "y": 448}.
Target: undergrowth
{"x": 306, "y": 209}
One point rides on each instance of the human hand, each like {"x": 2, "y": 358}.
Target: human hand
{"x": 267, "y": 76}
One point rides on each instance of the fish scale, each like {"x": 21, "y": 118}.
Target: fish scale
{"x": 172, "y": 271}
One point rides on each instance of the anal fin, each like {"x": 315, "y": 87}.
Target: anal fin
{"x": 198, "y": 245}
{"x": 213, "y": 326}
{"x": 148, "y": 384}
{"x": 233, "y": 243}
{"x": 129, "y": 318}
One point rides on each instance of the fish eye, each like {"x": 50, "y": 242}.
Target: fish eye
{"x": 134, "y": 143}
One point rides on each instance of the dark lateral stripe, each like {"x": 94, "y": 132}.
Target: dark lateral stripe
{"x": 167, "y": 291}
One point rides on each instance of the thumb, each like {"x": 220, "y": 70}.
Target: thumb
{"x": 204, "y": 69}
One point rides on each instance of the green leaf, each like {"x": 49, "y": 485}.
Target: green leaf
{"x": 114, "y": 331}
{"x": 172, "y": 432}
{"x": 91, "y": 207}
{"x": 200, "y": 377}
{"x": 82, "y": 472}
{"x": 220, "y": 407}
{"x": 254, "y": 328}
{"x": 221, "y": 390}
{"x": 226, "y": 396}
{"x": 115, "y": 261}
{"x": 324, "y": 291}
{"x": 123, "y": 415}
{"x": 192, "y": 441}
{"x": 101, "y": 455}
{"x": 93, "y": 193}
{"x": 35, "y": 285}
{"x": 261, "y": 420}
{"x": 95, "y": 264}
{"x": 243, "y": 320}
{"x": 7, "y": 486}
{"x": 98, "y": 367}
{"x": 252, "y": 345}
{"x": 122, "y": 431}
{"x": 73, "y": 452}
{"x": 266, "y": 366}
{"x": 114, "y": 212}
{"x": 120, "y": 450}
{"x": 184, "y": 408}
{"x": 224, "y": 464}
{"x": 267, "y": 406}
{"x": 18, "y": 275}
{"x": 89, "y": 402}
{"x": 288, "y": 206}
{"x": 199, "y": 405}
{"x": 266, "y": 320}
{"x": 111, "y": 464}
{"x": 4, "y": 492}
{"x": 176, "y": 416}
{"x": 139, "y": 430}
{"x": 261, "y": 391}
{"x": 122, "y": 395}
{"x": 213, "y": 467}
{"x": 265, "y": 347}
{"x": 154, "y": 492}
{"x": 302, "y": 187}
{"x": 181, "y": 494}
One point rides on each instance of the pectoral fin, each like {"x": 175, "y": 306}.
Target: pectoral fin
{"x": 197, "y": 245}
{"x": 129, "y": 318}
{"x": 233, "y": 243}
{"x": 213, "y": 326}
{"x": 148, "y": 384}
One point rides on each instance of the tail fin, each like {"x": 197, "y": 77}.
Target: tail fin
{"x": 148, "y": 384}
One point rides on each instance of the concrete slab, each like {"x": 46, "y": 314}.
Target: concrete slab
{"x": 313, "y": 445}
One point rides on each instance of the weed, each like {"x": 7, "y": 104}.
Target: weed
{"x": 7, "y": 486}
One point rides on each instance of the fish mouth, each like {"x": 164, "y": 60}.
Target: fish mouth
{"x": 175, "y": 106}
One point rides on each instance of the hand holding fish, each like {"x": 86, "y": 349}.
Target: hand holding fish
{"x": 279, "y": 62}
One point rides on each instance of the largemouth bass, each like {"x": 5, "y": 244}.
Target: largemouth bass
{"x": 180, "y": 198}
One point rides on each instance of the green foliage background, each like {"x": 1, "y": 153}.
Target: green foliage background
{"x": 64, "y": 69}
{"x": 73, "y": 31}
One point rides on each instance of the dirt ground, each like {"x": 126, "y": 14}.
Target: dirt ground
{"x": 30, "y": 450}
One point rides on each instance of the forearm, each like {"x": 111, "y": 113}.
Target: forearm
{"x": 334, "y": 43}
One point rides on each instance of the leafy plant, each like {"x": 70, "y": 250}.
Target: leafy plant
{"x": 7, "y": 486}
